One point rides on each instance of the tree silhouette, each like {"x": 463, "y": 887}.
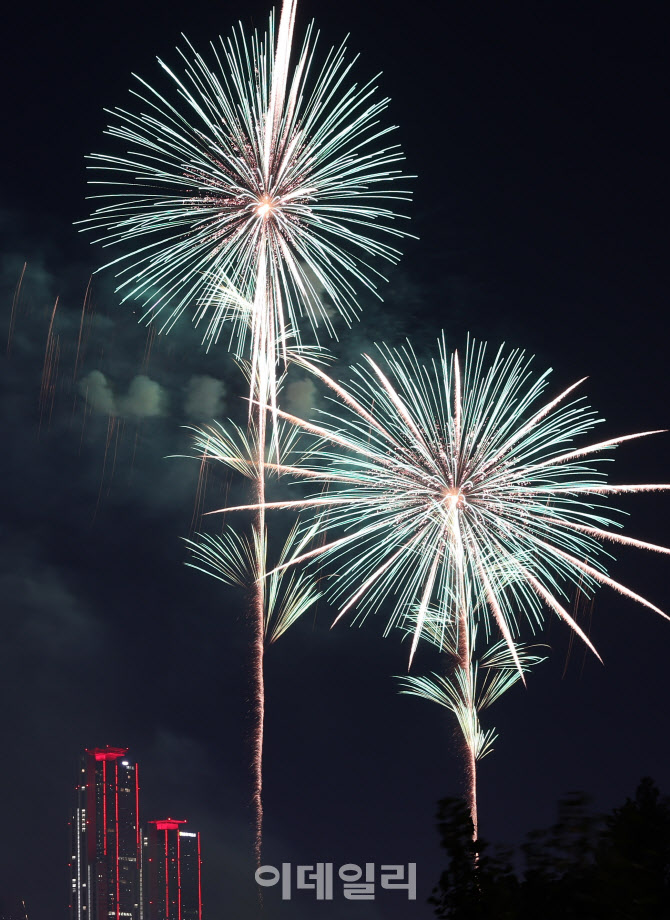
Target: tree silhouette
{"x": 633, "y": 864}
{"x": 585, "y": 867}
{"x": 476, "y": 884}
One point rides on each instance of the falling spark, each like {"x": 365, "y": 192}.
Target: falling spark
{"x": 200, "y": 495}
{"x": 49, "y": 371}
{"x": 151, "y": 338}
{"x": 15, "y": 306}
{"x": 118, "y": 434}
{"x": 86, "y": 310}
{"x": 112, "y": 426}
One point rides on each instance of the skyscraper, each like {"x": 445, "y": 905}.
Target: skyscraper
{"x": 171, "y": 870}
{"x": 105, "y": 859}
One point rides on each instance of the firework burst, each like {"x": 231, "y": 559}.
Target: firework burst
{"x": 260, "y": 180}
{"x": 450, "y": 484}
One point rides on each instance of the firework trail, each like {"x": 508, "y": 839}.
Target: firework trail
{"x": 266, "y": 182}
{"x": 472, "y": 686}
{"x": 235, "y": 559}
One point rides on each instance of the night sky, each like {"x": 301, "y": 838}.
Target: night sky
{"x": 538, "y": 133}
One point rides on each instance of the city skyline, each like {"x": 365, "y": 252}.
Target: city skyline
{"x": 117, "y": 869}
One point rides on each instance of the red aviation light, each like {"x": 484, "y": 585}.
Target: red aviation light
{"x": 107, "y": 753}
{"x": 168, "y": 824}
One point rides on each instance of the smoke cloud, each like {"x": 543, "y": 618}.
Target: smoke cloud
{"x": 204, "y": 398}
{"x": 145, "y": 397}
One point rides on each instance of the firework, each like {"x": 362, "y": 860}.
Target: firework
{"x": 260, "y": 180}
{"x": 457, "y": 497}
{"x": 449, "y": 484}
{"x": 232, "y": 558}
{"x": 477, "y": 678}
{"x": 261, "y": 192}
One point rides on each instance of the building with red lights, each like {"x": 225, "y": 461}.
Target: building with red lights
{"x": 171, "y": 872}
{"x": 106, "y": 843}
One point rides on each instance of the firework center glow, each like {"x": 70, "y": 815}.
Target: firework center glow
{"x": 454, "y": 497}
{"x": 266, "y": 207}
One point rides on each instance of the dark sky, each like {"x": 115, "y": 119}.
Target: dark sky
{"x": 538, "y": 134}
